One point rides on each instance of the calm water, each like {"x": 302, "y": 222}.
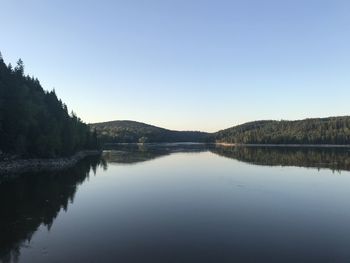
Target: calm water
{"x": 182, "y": 203}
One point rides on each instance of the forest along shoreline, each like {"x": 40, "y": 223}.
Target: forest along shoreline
{"x": 37, "y": 165}
{"x": 37, "y": 132}
{"x": 283, "y": 145}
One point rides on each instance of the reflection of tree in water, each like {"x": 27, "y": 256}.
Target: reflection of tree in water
{"x": 132, "y": 154}
{"x": 135, "y": 153}
{"x": 31, "y": 200}
{"x": 335, "y": 159}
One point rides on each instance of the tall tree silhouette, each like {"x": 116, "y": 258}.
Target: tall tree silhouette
{"x": 34, "y": 122}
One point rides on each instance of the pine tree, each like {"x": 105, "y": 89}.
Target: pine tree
{"x": 19, "y": 69}
{"x": 33, "y": 122}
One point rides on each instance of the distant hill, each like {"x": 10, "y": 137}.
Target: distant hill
{"x": 126, "y": 131}
{"x": 332, "y": 130}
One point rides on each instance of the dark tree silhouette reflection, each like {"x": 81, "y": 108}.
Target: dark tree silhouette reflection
{"x": 31, "y": 200}
{"x": 135, "y": 153}
{"x": 336, "y": 159}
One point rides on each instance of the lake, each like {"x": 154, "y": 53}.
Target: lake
{"x": 182, "y": 203}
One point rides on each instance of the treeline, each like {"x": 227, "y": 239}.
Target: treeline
{"x": 34, "y": 122}
{"x": 138, "y": 132}
{"x": 333, "y": 130}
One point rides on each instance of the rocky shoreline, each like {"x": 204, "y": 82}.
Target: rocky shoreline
{"x": 37, "y": 165}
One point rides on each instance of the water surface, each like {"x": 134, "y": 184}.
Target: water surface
{"x": 182, "y": 203}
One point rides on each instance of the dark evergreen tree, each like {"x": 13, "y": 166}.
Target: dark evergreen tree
{"x": 34, "y": 122}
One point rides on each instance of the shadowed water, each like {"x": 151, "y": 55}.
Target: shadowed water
{"x": 182, "y": 203}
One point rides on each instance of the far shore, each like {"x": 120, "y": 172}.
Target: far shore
{"x": 36, "y": 165}
{"x": 239, "y": 144}
{"x": 284, "y": 145}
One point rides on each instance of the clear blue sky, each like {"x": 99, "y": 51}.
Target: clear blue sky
{"x": 187, "y": 65}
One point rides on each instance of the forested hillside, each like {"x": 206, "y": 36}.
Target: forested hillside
{"x": 134, "y": 132}
{"x": 34, "y": 122}
{"x": 333, "y": 130}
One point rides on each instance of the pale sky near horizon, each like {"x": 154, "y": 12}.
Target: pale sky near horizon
{"x": 186, "y": 65}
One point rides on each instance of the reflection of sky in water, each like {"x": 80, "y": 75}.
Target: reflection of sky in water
{"x": 187, "y": 207}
